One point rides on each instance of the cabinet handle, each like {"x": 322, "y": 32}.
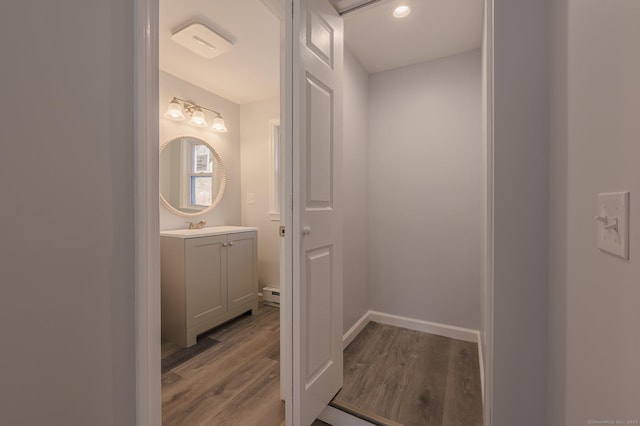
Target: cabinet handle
{"x": 224, "y": 244}
{"x": 231, "y": 243}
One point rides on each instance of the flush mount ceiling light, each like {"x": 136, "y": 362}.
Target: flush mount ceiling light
{"x": 178, "y": 107}
{"x": 202, "y": 40}
{"x": 401, "y": 11}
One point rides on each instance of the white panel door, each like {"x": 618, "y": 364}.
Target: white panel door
{"x": 317, "y": 230}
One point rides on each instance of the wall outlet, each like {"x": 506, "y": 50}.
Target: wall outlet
{"x": 613, "y": 223}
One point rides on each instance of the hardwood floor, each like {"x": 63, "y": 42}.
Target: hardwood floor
{"x": 230, "y": 377}
{"x": 411, "y": 378}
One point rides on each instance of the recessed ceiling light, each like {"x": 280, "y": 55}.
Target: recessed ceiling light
{"x": 401, "y": 11}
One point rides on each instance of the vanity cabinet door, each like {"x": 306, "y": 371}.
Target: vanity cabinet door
{"x": 242, "y": 273}
{"x": 205, "y": 269}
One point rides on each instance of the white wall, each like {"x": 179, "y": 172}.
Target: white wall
{"x": 67, "y": 218}
{"x": 594, "y": 316}
{"x": 521, "y": 209}
{"x": 355, "y": 186}
{"x": 425, "y": 165}
{"x": 558, "y": 172}
{"x": 255, "y": 154}
{"x": 227, "y": 145}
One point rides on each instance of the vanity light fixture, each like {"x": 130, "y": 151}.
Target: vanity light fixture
{"x": 401, "y": 11}
{"x": 218, "y": 124}
{"x": 178, "y": 107}
{"x": 197, "y": 118}
{"x": 174, "y": 111}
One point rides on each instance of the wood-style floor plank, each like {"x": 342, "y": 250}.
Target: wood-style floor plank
{"x": 259, "y": 403}
{"x": 234, "y": 381}
{"x": 464, "y": 394}
{"x": 412, "y": 378}
{"x": 407, "y": 377}
{"x": 252, "y": 337}
{"x": 423, "y": 363}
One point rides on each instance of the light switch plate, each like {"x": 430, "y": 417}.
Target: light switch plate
{"x": 614, "y": 205}
{"x": 251, "y": 198}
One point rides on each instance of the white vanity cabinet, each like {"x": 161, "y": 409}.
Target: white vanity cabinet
{"x": 208, "y": 276}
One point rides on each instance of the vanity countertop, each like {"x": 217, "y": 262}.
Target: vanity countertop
{"x": 205, "y": 232}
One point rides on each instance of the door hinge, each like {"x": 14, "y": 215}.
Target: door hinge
{"x": 281, "y": 231}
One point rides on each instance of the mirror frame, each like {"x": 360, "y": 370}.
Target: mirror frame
{"x": 223, "y": 184}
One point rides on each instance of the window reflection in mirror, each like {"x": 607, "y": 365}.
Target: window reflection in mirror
{"x": 192, "y": 176}
{"x": 201, "y": 176}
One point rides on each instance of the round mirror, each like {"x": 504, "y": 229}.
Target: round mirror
{"x": 192, "y": 176}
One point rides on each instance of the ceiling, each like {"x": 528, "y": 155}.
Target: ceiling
{"x": 434, "y": 29}
{"x": 250, "y": 71}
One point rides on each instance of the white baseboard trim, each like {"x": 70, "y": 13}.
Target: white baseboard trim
{"x": 481, "y": 362}
{"x": 460, "y": 333}
{"x": 451, "y": 331}
{"x": 355, "y": 330}
{"x": 333, "y": 416}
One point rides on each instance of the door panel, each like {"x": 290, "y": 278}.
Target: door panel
{"x": 319, "y": 144}
{"x": 241, "y": 270}
{"x": 319, "y": 290}
{"x": 320, "y": 38}
{"x": 205, "y": 268}
{"x": 317, "y": 226}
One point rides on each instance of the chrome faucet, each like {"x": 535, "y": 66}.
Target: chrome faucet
{"x": 198, "y": 225}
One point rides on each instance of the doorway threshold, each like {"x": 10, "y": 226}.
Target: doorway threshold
{"x": 362, "y": 414}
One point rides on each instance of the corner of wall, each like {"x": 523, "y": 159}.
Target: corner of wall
{"x": 255, "y": 118}
{"x": 521, "y": 212}
{"x": 355, "y": 178}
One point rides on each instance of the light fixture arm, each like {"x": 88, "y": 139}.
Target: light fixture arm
{"x": 191, "y": 106}
{"x": 178, "y": 107}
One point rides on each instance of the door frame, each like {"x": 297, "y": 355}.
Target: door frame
{"x": 147, "y": 212}
{"x": 486, "y": 341}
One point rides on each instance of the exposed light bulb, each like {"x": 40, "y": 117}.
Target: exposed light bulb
{"x": 401, "y": 11}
